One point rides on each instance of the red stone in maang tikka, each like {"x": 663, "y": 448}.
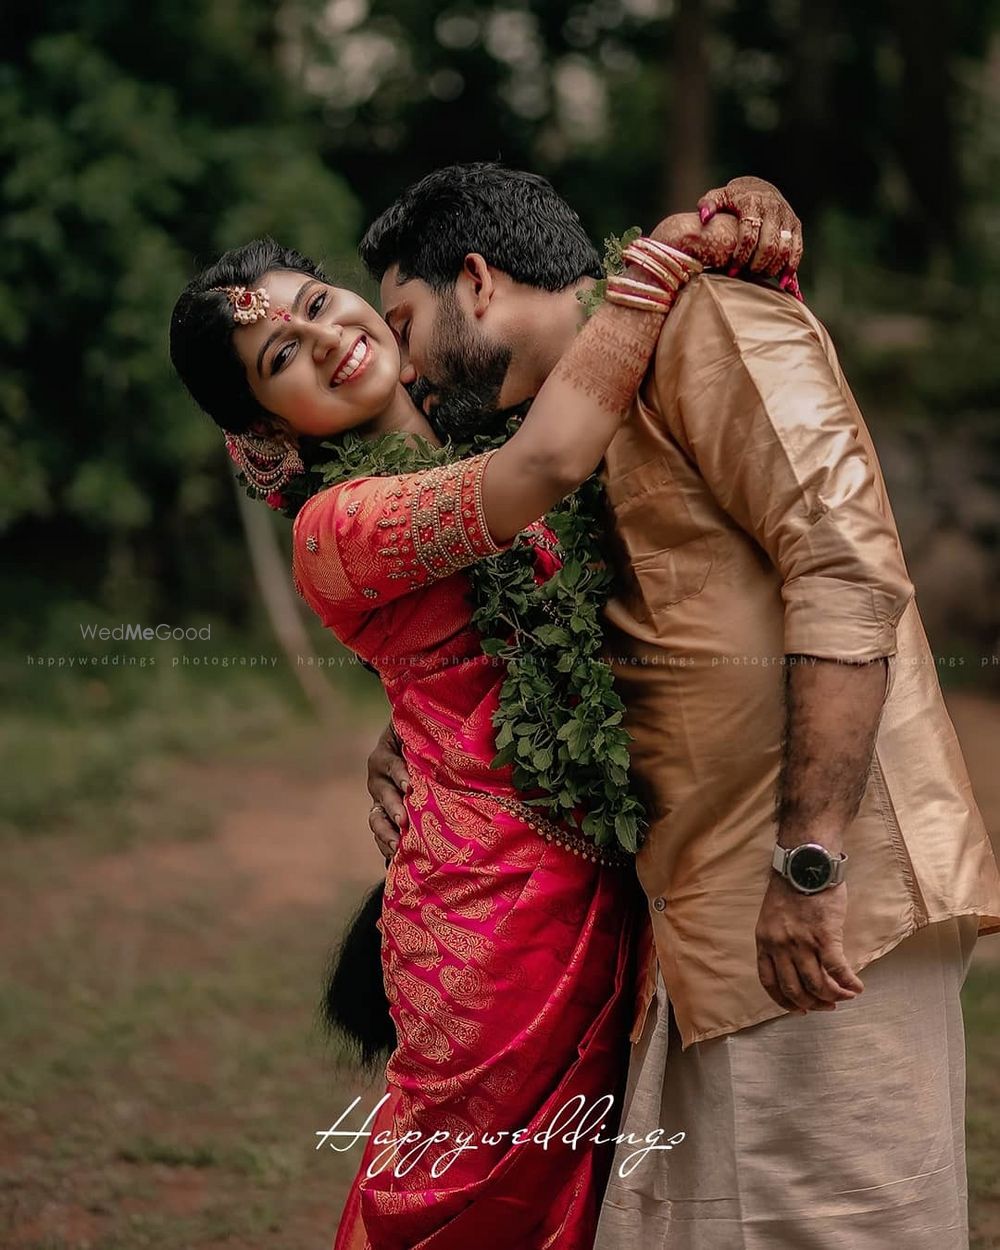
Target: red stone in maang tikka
{"x": 248, "y": 306}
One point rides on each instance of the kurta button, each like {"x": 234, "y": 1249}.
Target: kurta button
{"x": 659, "y": 904}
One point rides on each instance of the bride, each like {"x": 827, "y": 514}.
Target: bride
{"x": 507, "y": 934}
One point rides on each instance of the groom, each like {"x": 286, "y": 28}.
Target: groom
{"x": 789, "y": 738}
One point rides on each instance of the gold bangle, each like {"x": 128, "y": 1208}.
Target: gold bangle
{"x": 640, "y": 288}
{"x": 681, "y": 271}
{"x": 666, "y": 278}
{"x": 667, "y": 270}
{"x": 638, "y": 302}
{"x": 668, "y": 253}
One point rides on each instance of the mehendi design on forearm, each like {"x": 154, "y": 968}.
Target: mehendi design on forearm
{"x": 610, "y": 356}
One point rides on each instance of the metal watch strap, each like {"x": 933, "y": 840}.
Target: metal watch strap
{"x": 780, "y": 855}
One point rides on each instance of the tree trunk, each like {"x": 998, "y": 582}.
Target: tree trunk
{"x": 813, "y": 137}
{"x": 927, "y": 142}
{"x": 274, "y": 583}
{"x": 690, "y": 121}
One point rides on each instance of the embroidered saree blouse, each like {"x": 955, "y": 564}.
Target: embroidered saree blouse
{"x": 378, "y": 538}
{"x": 380, "y": 560}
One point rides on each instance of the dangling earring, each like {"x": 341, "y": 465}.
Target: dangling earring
{"x": 268, "y": 464}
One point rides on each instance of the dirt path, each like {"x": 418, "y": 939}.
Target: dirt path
{"x": 305, "y": 843}
{"x": 171, "y": 1026}
{"x": 163, "y": 1074}
{"x": 280, "y": 842}
{"x": 284, "y": 843}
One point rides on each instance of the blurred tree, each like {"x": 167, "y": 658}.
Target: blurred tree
{"x": 134, "y": 139}
{"x": 634, "y": 106}
{"x": 927, "y": 139}
{"x": 688, "y": 170}
{"x": 137, "y": 137}
{"x": 575, "y": 90}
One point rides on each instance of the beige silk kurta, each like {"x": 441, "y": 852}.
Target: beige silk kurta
{"x": 750, "y": 521}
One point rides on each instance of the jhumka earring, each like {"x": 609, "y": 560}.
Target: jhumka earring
{"x": 248, "y": 306}
{"x": 268, "y": 464}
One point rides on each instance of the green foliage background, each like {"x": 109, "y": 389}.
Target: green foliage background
{"x": 137, "y": 140}
{"x": 134, "y": 144}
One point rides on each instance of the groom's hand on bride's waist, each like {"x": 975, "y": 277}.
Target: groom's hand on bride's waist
{"x": 388, "y": 782}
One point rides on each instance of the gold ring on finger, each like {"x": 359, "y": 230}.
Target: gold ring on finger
{"x": 752, "y": 221}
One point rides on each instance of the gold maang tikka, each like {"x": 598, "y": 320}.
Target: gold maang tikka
{"x": 248, "y": 306}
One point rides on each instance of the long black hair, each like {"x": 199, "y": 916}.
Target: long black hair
{"x": 354, "y": 1006}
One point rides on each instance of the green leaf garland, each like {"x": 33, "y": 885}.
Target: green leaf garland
{"x": 614, "y": 262}
{"x": 559, "y": 719}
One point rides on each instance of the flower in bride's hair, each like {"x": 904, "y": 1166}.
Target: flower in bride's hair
{"x": 275, "y": 500}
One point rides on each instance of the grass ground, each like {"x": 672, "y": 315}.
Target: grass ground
{"x": 163, "y": 1074}
{"x": 981, "y": 999}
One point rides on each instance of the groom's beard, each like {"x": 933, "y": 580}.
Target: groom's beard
{"x": 465, "y": 375}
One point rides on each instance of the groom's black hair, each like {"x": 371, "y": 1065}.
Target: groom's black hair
{"x": 513, "y": 219}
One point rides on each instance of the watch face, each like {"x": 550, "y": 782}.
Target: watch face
{"x": 810, "y": 868}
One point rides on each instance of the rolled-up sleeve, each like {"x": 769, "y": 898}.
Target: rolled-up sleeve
{"x": 747, "y": 388}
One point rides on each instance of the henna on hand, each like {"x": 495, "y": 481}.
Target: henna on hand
{"x": 608, "y": 363}
{"x": 770, "y": 233}
{"x": 712, "y": 244}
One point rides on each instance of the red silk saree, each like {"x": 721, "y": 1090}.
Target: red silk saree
{"x": 507, "y": 947}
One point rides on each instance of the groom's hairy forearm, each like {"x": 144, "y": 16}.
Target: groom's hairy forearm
{"x": 832, "y": 714}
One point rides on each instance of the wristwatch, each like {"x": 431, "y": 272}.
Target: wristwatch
{"x": 809, "y": 867}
